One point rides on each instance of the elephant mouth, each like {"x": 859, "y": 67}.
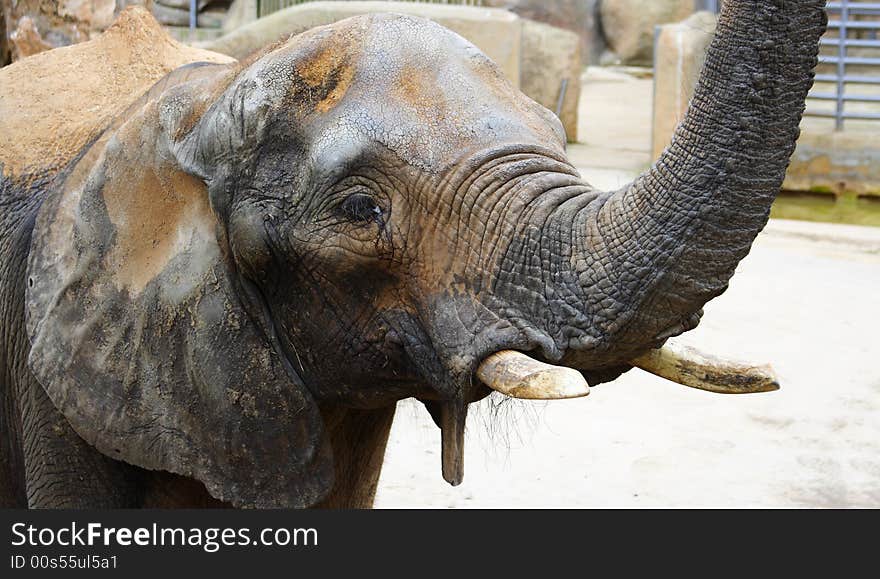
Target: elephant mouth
{"x": 515, "y": 374}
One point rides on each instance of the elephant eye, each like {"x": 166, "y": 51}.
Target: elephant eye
{"x": 361, "y": 208}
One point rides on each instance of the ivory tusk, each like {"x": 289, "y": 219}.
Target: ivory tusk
{"x": 690, "y": 367}
{"x": 518, "y": 376}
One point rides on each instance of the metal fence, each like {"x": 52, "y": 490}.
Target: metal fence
{"x": 851, "y": 25}
{"x": 265, "y": 7}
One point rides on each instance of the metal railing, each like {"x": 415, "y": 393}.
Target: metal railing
{"x": 266, "y": 7}
{"x": 856, "y": 24}
{"x": 193, "y": 15}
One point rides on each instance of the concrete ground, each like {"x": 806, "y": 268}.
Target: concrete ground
{"x": 806, "y": 299}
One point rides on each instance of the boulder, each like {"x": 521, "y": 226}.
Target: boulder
{"x": 629, "y": 25}
{"x": 97, "y": 14}
{"x": 551, "y": 60}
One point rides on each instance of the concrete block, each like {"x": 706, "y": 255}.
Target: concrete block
{"x": 838, "y": 163}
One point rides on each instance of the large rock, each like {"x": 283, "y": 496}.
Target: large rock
{"x": 578, "y": 16}
{"x": 629, "y": 25}
{"x": 551, "y": 60}
{"x": 681, "y": 52}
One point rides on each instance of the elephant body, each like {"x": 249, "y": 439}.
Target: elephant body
{"x": 219, "y": 277}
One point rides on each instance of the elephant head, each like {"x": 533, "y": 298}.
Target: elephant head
{"x": 365, "y": 213}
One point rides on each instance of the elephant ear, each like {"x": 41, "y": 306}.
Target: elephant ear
{"x": 141, "y": 331}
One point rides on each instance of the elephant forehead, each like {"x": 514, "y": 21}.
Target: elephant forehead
{"x": 439, "y": 95}
{"x": 415, "y": 87}
{"x": 430, "y": 117}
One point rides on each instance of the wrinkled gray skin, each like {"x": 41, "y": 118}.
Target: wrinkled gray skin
{"x": 361, "y": 214}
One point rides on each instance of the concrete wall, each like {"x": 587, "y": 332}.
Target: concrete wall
{"x": 501, "y": 35}
{"x": 837, "y": 163}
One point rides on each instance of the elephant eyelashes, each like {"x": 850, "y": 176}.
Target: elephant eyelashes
{"x": 362, "y": 208}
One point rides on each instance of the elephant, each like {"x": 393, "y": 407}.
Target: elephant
{"x": 219, "y": 277}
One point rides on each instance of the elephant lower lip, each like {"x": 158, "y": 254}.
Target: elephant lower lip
{"x": 453, "y": 415}
{"x": 512, "y": 373}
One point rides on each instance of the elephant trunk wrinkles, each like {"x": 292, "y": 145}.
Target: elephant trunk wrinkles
{"x": 655, "y": 252}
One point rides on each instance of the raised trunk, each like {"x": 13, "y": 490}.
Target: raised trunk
{"x": 655, "y": 252}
